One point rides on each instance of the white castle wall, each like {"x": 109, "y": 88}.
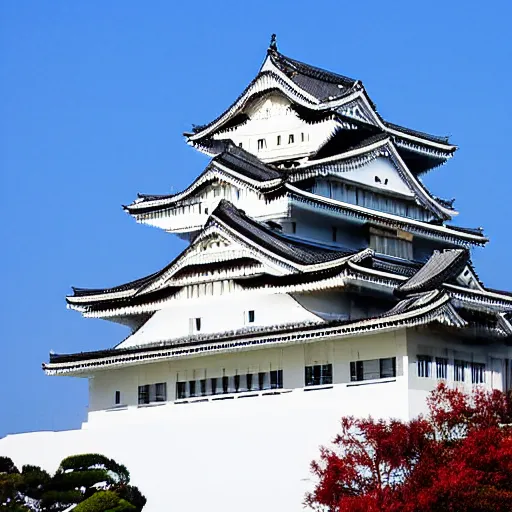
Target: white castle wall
{"x": 252, "y": 453}
{"x": 291, "y": 359}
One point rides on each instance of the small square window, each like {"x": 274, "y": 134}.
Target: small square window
{"x": 262, "y": 144}
{"x": 240, "y": 145}
{"x": 195, "y": 325}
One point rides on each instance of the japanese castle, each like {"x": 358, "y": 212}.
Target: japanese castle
{"x": 317, "y": 259}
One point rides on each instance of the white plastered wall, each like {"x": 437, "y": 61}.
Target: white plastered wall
{"x": 234, "y": 446}
{"x": 272, "y": 117}
{"x": 290, "y": 358}
{"x": 434, "y": 344}
{"x": 219, "y": 314}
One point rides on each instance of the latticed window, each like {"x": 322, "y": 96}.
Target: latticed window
{"x": 391, "y": 243}
{"x": 424, "y": 366}
{"x": 441, "y": 367}
{"x": 228, "y": 384}
{"x": 318, "y": 374}
{"x": 458, "y": 370}
{"x": 149, "y": 393}
{"x": 477, "y": 373}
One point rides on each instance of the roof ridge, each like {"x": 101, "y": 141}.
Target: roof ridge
{"x": 309, "y": 70}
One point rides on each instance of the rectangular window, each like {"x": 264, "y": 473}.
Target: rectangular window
{"x": 276, "y": 379}
{"x": 477, "y": 373}
{"x": 334, "y": 233}
{"x": 250, "y": 316}
{"x": 441, "y": 367}
{"x": 279, "y": 140}
{"x": 225, "y": 384}
{"x": 194, "y": 325}
{"x": 192, "y": 388}
{"x": 240, "y": 145}
{"x": 237, "y": 383}
{"x": 213, "y": 382}
{"x": 302, "y": 137}
{"x": 294, "y": 227}
{"x": 249, "y": 381}
{"x": 202, "y": 383}
{"x": 144, "y": 394}
{"x": 458, "y": 370}
{"x": 262, "y": 144}
{"x": 391, "y": 246}
{"x": 387, "y": 367}
{"x": 424, "y": 364}
{"x": 373, "y": 369}
{"x": 160, "y": 392}
{"x": 153, "y": 393}
{"x": 181, "y": 390}
{"x": 118, "y": 397}
{"x": 318, "y": 374}
{"x": 291, "y": 138}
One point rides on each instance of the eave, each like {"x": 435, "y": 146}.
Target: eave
{"x": 386, "y": 219}
{"x": 436, "y": 310}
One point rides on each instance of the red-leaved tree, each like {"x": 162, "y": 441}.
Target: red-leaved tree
{"x": 457, "y": 459}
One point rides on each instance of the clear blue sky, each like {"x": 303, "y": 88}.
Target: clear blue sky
{"x": 94, "y": 97}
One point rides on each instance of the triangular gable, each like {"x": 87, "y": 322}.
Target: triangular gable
{"x": 354, "y": 161}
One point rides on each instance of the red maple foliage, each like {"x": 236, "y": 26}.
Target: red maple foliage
{"x": 457, "y": 459}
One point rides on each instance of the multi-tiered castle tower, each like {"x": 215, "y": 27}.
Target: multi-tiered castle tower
{"x": 318, "y": 260}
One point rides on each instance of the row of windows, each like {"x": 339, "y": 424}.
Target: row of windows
{"x": 314, "y": 375}
{"x": 369, "y": 199}
{"x": 426, "y": 364}
{"x": 196, "y": 324}
{"x": 230, "y": 384}
{"x": 262, "y": 143}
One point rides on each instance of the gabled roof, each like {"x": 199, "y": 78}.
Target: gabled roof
{"x": 293, "y": 255}
{"x": 237, "y": 165}
{"x": 233, "y": 164}
{"x": 318, "y": 90}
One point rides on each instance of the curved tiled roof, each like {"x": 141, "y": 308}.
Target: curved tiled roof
{"x": 441, "y": 267}
{"x": 292, "y": 250}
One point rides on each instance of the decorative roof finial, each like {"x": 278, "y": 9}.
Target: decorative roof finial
{"x": 273, "y": 43}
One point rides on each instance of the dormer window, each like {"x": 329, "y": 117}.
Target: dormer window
{"x": 261, "y": 144}
{"x": 291, "y": 138}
